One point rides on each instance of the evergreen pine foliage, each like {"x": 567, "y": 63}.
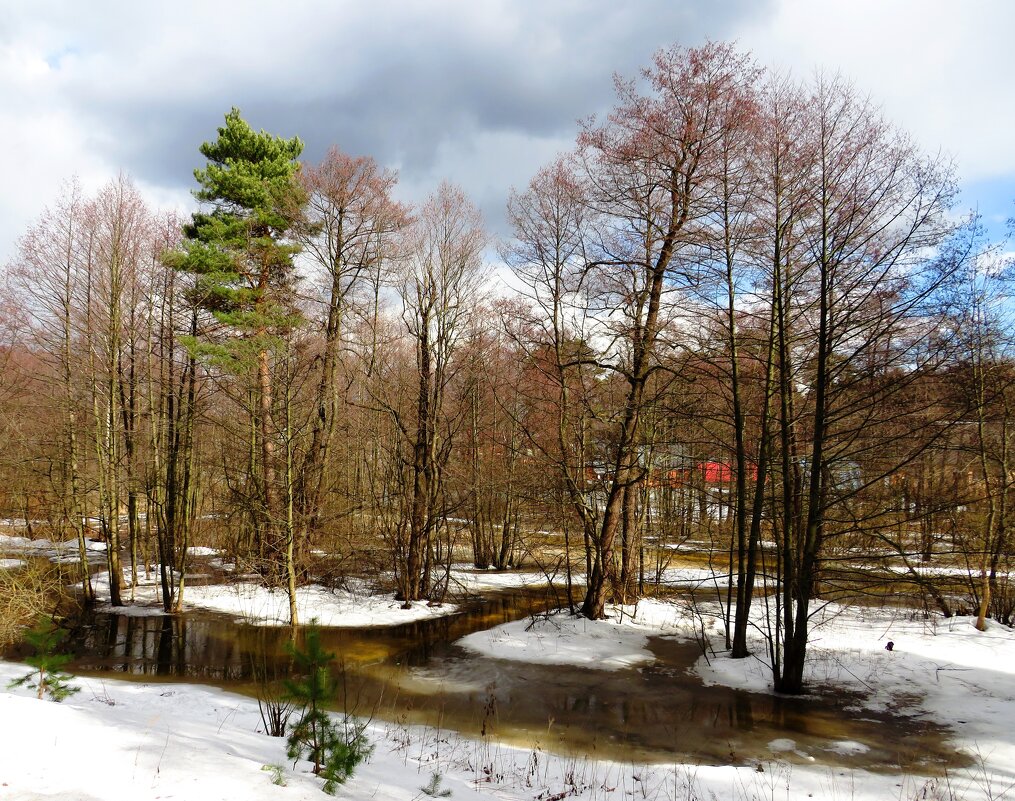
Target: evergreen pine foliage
{"x": 236, "y": 247}
{"x": 434, "y": 787}
{"x": 334, "y": 750}
{"x": 48, "y": 678}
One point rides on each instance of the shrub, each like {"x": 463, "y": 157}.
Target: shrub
{"x": 27, "y": 593}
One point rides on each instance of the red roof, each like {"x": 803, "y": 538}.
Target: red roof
{"x": 723, "y": 472}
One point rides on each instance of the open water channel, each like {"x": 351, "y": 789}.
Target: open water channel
{"x": 415, "y": 673}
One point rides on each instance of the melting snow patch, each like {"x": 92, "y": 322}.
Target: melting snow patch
{"x": 562, "y": 639}
{"x": 848, "y": 748}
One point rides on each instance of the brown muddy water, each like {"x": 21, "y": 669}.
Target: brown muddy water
{"x": 415, "y": 674}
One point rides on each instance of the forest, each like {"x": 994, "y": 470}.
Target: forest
{"x": 741, "y": 324}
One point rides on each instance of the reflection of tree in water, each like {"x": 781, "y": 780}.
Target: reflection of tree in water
{"x": 162, "y": 646}
{"x": 656, "y": 712}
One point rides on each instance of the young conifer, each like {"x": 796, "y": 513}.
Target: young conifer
{"x": 335, "y": 752}
{"x": 48, "y": 678}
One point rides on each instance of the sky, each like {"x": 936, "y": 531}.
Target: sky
{"x": 478, "y": 92}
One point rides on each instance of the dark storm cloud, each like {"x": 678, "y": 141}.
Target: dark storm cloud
{"x": 400, "y": 84}
{"x": 479, "y": 93}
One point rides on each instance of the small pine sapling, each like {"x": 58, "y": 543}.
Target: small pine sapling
{"x": 48, "y": 677}
{"x": 277, "y": 774}
{"x": 334, "y": 753}
{"x": 434, "y": 789}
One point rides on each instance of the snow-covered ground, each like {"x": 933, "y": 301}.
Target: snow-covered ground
{"x": 250, "y": 602}
{"x": 54, "y": 550}
{"x": 131, "y": 742}
{"x": 564, "y": 640}
{"x": 470, "y": 579}
{"x": 355, "y": 607}
{"x": 117, "y": 740}
{"x": 942, "y": 670}
{"x": 253, "y": 603}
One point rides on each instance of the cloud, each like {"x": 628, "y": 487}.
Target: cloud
{"x": 940, "y": 69}
{"x": 448, "y": 88}
{"x": 478, "y": 93}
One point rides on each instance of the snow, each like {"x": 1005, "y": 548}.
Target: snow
{"x": 474, "y": 580}
{"x": 57, "y": 551}
{"x": 120, "y": 741}
{"x": 848, "y": 747}
{"x": 691, "y": 576}
{"x": 942, "y": 670}
{"x": 250, "y": 602}
{"x": 562, "y": 639}
{"x": 180, "y": 741}
{"x": 356, "y": 606}
{"x": 254, "y": 603}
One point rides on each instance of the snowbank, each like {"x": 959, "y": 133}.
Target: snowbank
{"x": 943, "y": 669}
{"x": 470, "y": 579}
{"x": 938, "y": 669}
{"x": 354, "y": 607}
{"x": 120, "y": 741}
{"x": 253, "y": 603}
{"x": 562, "y": 639}
{"x": 123, "y": 741}
{"x": 57, "y": 551}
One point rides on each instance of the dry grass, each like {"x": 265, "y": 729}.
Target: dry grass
{"x": 26, "y": 592}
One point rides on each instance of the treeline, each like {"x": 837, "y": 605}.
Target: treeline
{"x": 746, "y": 314}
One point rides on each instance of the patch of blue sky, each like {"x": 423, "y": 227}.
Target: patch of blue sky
{"x": 56, "y": 58}
{"x": 993, "y": 199}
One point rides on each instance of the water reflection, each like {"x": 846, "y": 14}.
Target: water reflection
{"x": 415, "y": 673}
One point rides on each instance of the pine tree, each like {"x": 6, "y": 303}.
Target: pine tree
{"x": 48, "y": 678}
{"x": 334, "y": 753}
{"x": 238, "y": 251}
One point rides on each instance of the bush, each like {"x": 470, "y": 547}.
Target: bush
{"x": 27, "y": 593}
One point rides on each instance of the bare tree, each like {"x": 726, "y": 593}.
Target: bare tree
{"x": 349, "y": 228}
{"x": 652, "y": 176}
{"x": 48, "y": 276}
{"x": 551, "y": 226}
{"x": 439, "y": 291}
{"x": 852, "y": 329}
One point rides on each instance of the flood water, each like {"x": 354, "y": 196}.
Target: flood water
{"x": 414, "y": 673}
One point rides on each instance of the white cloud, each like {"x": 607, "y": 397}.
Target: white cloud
{"x": 479, "y": 93}
{"x": 941, "y": 69}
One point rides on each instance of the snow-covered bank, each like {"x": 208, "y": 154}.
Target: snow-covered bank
{"x": 469, "y": 579}
{"x": 56, "y": 551}
{"x": 941, "y": 670}
{"x": 121, "y": 741}
{"x": 254, "y": 603}
{"x": 358, "y": 606}
{"x": 562, "y": 639}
